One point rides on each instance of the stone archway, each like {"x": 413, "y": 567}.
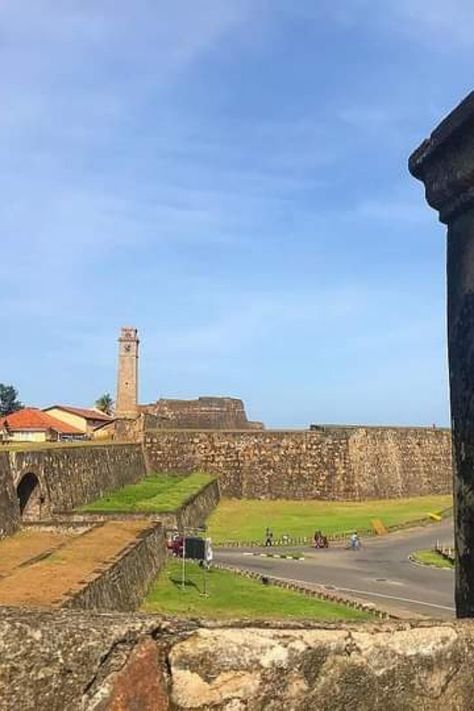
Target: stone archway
{"x": 29, "y": 496}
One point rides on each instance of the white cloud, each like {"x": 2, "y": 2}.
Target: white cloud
{"x": 393, "y": 210}
{"x": 372, "y": 118}
{"x": 435, "y": 21}
{"x": 157, "y": 33}
{"x": 81, "y": 82}
{"x": 439, "y": 23}
{"x": 244, "y": 319}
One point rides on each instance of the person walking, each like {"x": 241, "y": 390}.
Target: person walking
{"x": 209, "y": 554}
{"x": 268, "y": 537}
{"x": 316, "y": 539}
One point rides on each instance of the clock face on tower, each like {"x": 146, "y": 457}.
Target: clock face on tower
{"x": 127, "y": 347}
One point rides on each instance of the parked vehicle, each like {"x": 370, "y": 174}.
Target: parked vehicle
{"x": 175, "y": 545}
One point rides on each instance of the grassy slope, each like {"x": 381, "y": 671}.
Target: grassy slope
{"x": 432, "y": 558}
{"x": 157, "y": 492}
{"x": 246, "y": 520}
{"x": 232, "y": 595}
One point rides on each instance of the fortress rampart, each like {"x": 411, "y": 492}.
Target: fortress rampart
{"x": 203, "y": 413}
{"x": 333, "y": 463}
{"x": 191, "y": 514}
{"x": 122, "y": 582}
{"x": 339, "y": 463}
{"x": 61, "y": 478}
{"x": 9, "y": 509}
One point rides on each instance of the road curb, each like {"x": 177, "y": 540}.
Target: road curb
{"x": 317, "y": 591}
{"x": 287, "y": 556}
{"x": 428, "y": 565}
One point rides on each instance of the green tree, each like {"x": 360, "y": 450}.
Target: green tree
{"x": 9, "y": 400}
{"x": 105, "y": 403}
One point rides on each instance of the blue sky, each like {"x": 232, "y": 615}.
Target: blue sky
{"x": 229, "y": 177}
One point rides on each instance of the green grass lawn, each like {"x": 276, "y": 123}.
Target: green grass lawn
{"x": 432, "y": 558}
{"x": 232, "y": 595}
{"x": 157, "y": 492}
{"x": 246, "y": 520}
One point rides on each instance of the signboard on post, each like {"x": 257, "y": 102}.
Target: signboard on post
{"x": 195, "y": 548}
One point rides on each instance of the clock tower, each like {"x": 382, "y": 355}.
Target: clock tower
{"x": 127, "y": 383}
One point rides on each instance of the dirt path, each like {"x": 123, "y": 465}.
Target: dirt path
{"x": 45, "y": 582}
{"x": 28, "y": 545}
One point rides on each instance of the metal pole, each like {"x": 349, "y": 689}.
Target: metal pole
{"x": 183, "y": 567}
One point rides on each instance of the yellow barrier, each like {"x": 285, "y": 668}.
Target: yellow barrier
{"x": 378, "y": 527}
{"x": 435, "y": 516}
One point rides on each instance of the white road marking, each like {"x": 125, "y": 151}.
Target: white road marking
{"x": 368, "y": 593}
{"x": 385, "y": 581}
{"x": 394, "y": 597}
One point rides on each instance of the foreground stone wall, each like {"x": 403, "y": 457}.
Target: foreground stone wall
{"x": 92, "y": 662}
{"x": 73, "y": 475}
{"x": 327, "y": 463}
{"x": 9, "y": 509}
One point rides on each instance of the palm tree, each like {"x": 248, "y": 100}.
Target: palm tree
{"x": 105, "y": 403}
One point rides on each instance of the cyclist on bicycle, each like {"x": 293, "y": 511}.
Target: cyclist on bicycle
{"x": 355, "y": 541}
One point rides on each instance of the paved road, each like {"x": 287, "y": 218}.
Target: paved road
{"x": 379, "y": 572}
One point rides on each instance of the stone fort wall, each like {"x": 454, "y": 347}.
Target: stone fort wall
{"x": 9, "y": 509}
{"x": 334, "y": 463}
{"x": 122, "y": 582}
{"x": 106, "y": 662}
{"x": 68, "y": 476}
{"x": 328, "y": 463}
{"x": 202, "y": 414}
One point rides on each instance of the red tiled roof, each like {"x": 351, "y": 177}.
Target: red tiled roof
{"x": 36, "y": 420}
{"x": 88, "y": 414}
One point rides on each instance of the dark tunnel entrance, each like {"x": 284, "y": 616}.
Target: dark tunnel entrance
{"x": 29, "y": 496}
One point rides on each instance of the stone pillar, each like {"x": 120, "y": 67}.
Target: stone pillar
{"x": 445, "y": 164}
{"x": 127, "y": 380}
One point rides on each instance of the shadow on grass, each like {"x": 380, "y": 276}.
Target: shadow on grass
{"x": 178, "y": 583}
